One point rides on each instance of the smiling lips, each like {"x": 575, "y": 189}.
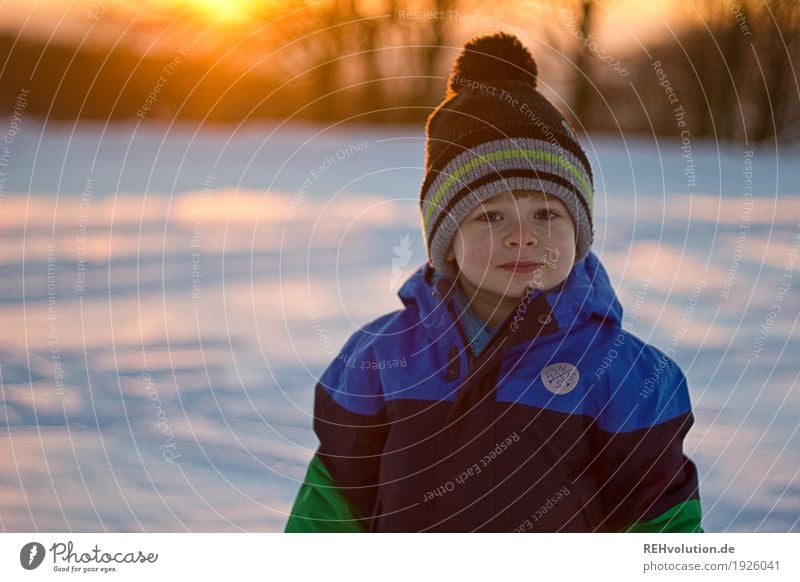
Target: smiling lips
{"x": 520, "y": 267}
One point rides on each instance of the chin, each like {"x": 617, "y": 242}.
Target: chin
{"x": 513, "y": 291}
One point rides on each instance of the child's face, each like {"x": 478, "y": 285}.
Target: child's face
{"x": 511, "y": 241}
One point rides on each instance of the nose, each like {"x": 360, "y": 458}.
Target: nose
{"x": 520, "y": 236}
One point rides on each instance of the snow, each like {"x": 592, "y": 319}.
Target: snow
{"x": 161, "y": 390}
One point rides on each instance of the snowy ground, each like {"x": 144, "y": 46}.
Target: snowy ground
{"x": 168, "y": 298}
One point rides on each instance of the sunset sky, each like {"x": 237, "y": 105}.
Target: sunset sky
{"x": 619, "y": 23}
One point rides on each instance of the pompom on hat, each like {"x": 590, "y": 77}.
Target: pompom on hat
{"x": 494, "y": 132}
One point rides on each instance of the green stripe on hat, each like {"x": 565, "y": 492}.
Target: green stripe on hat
{"x": 488, "y": 158}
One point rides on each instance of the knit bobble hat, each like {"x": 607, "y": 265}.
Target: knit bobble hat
{"x": 494, "y": 132}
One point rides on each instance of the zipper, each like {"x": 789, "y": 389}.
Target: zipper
{"x": 492, "y": 350}
{"x": 462, "y": 334}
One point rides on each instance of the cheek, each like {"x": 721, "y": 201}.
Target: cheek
{"x": 562, "y": 236}
{"x": 477, "y": 250}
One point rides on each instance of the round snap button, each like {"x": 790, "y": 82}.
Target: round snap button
{"x": 544, "y": 318}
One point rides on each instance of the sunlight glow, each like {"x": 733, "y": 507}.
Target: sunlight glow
{"x": 224, "y": 10}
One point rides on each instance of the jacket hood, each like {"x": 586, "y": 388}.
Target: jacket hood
{"x": 586, "y": 293}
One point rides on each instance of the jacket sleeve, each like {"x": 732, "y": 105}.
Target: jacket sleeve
{"x": 340, "y": 488}
{"x": 647, "y": 483}
{"x": 321, "y": 507}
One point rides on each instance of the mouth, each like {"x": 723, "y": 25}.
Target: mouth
{"x": 520, "y": 266}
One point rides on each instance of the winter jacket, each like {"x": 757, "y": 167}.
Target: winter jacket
{"x": 565, "y": 422}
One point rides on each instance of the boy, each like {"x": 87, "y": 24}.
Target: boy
{"x": 522, "y": 405}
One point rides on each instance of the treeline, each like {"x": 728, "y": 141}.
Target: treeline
{"x": 732, "y": 76}
{"x": 730, "y": 72}
{"x": 66, "y": 83}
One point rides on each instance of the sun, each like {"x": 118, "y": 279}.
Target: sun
{"x": 223, "y": 10}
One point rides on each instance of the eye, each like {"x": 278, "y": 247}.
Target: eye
{"x": 490, "y": 216}
{"x": 546, "y": 214}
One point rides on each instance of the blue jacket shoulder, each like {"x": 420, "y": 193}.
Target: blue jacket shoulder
{"x": 643, "y": 386}
{"x": 353, "y": 378}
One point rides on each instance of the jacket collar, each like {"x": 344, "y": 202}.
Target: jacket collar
{"x": 586, "y": 293}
